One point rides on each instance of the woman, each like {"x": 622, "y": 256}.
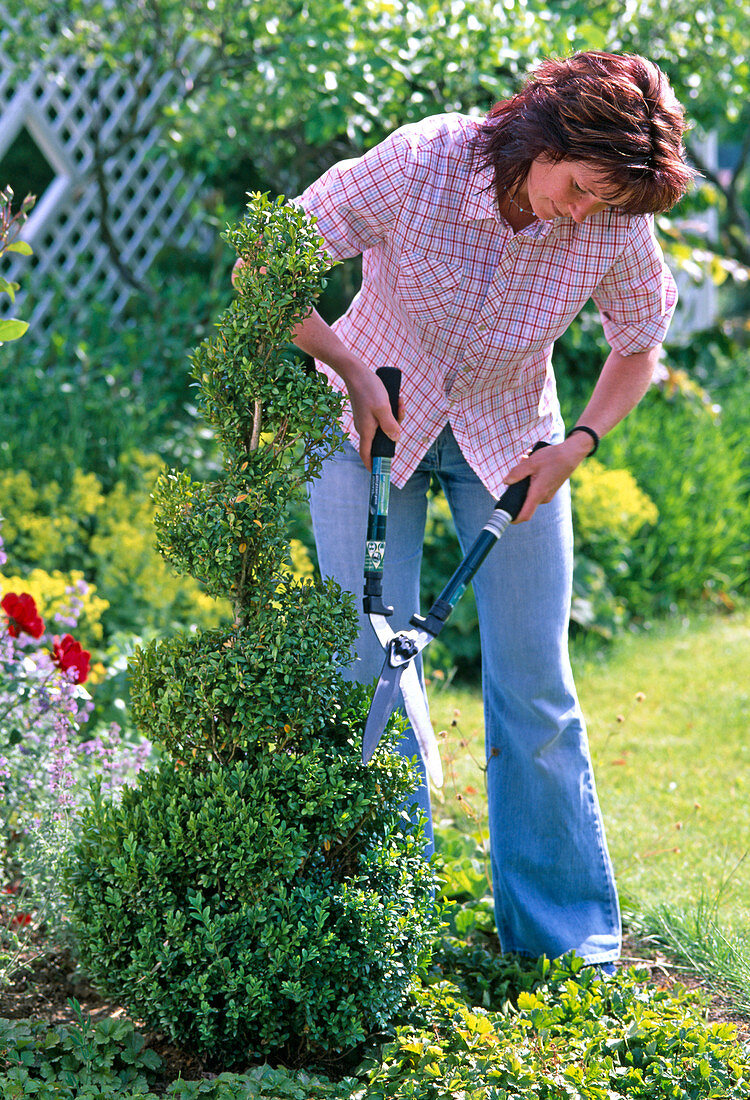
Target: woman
{"x": 481, "y": 241}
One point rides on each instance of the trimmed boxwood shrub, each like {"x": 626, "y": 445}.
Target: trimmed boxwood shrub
{"x": 195, "y": 692}
{"x": 267, "y": 905}
{"x": 262, "y": 892}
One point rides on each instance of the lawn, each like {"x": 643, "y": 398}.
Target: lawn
{"x": 668, "y": 713}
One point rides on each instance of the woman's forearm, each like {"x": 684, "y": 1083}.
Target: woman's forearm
{"x": 316, "y": 337}
{"x": 371, "y": 407}
{"x": 622, "y": 383}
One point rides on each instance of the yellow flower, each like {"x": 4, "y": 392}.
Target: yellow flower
{"x": 609, "y": 502}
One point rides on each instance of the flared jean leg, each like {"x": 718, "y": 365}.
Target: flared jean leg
{"x": 553, "y": 883}
{"x": 338, "y": 506}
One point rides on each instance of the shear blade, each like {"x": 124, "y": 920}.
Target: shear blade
{"x": 383, "y": 702}
{"x": 419, "y": 716}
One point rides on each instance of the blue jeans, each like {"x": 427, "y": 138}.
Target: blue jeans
{"x": 553, "y": 883}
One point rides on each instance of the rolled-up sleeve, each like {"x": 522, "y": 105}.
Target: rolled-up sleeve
{"x": 356, "y": 202}
{"x": 637, "y": 297}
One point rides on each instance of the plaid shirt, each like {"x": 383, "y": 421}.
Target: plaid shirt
{"x": 466, "y": 308}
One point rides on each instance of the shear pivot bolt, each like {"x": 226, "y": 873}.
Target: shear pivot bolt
{"x": 405, "y": 648}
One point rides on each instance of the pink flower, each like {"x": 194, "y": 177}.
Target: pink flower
{"x": 22, "y": 615}
{"x": 68, "y": 654}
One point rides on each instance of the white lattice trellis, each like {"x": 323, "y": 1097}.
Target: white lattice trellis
{"x": 149, "y": 197}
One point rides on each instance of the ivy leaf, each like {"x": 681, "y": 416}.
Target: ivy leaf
{"x": 11, "y": 329}
{"x": 19, "y": 246}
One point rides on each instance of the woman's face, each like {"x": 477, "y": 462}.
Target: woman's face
{"x": 566, "y": 189}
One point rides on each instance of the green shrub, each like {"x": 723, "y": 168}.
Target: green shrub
{"x": 610, "y": 511}
{"x": 262, "y": 892}
{"x": 100, "y": 389}
{"x": 243, "y": 908}
{"x": 692, "y": 466}
{"x": 271, "y": 681}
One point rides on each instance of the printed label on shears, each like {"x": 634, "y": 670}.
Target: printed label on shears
{"x": 379, "y": 493}
{"x": 374, "y": 552}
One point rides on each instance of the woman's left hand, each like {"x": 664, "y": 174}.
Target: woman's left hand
{"x": 621, "y": 384}
{"x": 548, "y": 468}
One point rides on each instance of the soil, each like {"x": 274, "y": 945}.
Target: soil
{"x": 46, "y": 983}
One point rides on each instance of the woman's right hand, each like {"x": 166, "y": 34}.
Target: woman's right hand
{"x": 371, "y": 409}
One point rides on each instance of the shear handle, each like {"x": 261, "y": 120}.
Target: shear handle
{"x": 506, "y": 510}
{"x": 514, "y": 497}
{"x": 382, "y": 451}
{"x": 382, "y": 445}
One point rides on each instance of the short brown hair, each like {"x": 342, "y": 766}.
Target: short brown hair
{"x": 615, "y": 111}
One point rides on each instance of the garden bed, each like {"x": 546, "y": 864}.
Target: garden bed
{"x": 47, "y": 982}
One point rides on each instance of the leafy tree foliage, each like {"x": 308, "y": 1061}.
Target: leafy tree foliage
{"x": 275, "y": 91}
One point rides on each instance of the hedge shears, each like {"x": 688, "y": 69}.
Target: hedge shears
{"x": 402, "y": 647}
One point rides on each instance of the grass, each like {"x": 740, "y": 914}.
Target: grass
{"x": 668, "y": 714}
{"x": 695, "y": 940}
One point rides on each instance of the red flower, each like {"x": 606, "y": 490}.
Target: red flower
{"x": 22, "y": 615}
{"x": 69, "y": 654}
{"x": 21, "y": 918}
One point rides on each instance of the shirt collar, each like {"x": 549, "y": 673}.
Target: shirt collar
{"x": 479, "y": 202}
{"x": 480, "y": 205}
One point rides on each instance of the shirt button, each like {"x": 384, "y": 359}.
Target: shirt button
{"x": 481, "y": 329}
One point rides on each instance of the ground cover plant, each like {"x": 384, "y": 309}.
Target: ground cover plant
{"x": 476, "y": 1024}
{"x": 260, "y": 891}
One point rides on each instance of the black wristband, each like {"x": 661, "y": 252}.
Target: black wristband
{"x": 589, "y": 431}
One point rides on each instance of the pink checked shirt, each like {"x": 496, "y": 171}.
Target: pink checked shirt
{"x": 466, "y": 308}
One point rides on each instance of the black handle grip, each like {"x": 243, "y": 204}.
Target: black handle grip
{"x": 512, "y": 500}
{"x": 382, "y": 445}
